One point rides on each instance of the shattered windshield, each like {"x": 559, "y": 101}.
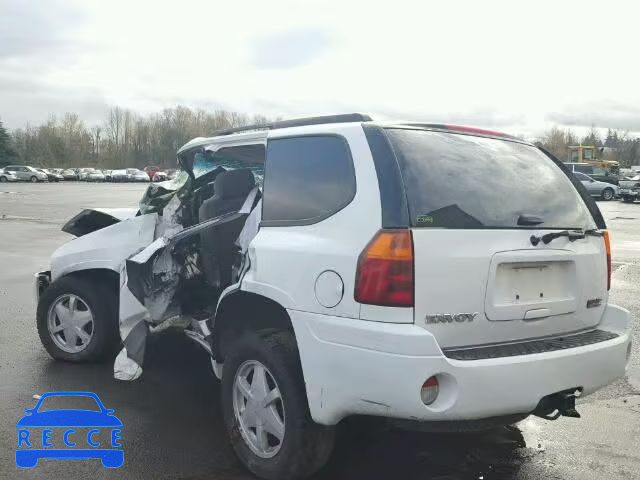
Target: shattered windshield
{"x": 231, "y": 158}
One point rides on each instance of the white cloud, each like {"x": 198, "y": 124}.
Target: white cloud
{"x": 519, "y": 66}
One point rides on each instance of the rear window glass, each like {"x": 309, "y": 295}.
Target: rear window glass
{"x": 464, "y": 181}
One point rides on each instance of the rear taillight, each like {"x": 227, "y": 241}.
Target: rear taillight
{"x": 385, "y": 270}
{"x": 607, "y": 247}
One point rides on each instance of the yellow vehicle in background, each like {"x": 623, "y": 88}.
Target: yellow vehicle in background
{"x": 582, "y": 159}
{"x": 588, "y": 154}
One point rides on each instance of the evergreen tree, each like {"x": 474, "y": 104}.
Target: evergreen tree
{"x": 7, "y": 153}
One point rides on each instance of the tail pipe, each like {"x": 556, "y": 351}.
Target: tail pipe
{"x": 559, "y": 404}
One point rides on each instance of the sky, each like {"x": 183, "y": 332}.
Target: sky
{"x": 516, "y": 66}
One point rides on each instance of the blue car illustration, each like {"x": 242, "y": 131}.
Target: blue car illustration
{"x": 28, "y": 453}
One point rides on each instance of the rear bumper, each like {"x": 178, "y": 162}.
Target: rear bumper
{"x": 355, "y": 367}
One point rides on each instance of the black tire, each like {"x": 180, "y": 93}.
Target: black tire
{"x": 33, "y": 179}
{"x": 3, "y": 179}
{"x": 102, "y": 301}
{"x": 306, "y": 446}
{"x": 608, "y": 194}
{"x": 627, "y": 199}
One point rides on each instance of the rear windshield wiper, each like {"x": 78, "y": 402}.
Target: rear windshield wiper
{"x": 573, "y": 235}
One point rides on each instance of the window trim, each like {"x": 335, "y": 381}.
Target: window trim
{"x": 319, "y": 218}
{"x": 393, "y": 197}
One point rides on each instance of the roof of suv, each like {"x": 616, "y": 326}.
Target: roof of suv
{"x": 259, "y": 130}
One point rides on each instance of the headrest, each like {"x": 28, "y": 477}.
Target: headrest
{"x": 234, "y": 183}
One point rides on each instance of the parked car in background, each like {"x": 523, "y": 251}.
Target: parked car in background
{"x": 7, "y": 176}
{"x": 595, "y": 172}
{"x": 26, "y": 173}
{"x": 83, "y": 173}
{"x": 160, "y": 176}
{"x": 56, "y": 170}
{"x": 51, "y": 175}
{"x": 603, "y": 190}
{"x": 94, "y": 176}
{"x": 136, "y": 175}
{"x": 69, "y": 174}
{"x": 119, "y": 175}
{"x": 107, "y": 175}
{"x": 630, "y": 188}
{"x": 151, "y": 170}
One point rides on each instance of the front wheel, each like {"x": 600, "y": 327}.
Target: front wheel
{"x": 33, "y": 179}
{"x": 607, "y": 194}
{"x": 265, "y": 408}
{"x": 78, "y": 320}
{"x": 3, "y": 179}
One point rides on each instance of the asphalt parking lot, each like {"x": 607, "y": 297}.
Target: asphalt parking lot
{"x": 172, "y": 427}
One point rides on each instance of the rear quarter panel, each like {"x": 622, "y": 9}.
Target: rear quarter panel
{"x": 286, "y": 261}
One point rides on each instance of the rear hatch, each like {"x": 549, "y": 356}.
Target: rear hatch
{"x": 475, "y": 203}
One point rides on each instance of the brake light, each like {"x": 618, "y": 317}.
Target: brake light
{"x": 385, "y": 270}
{"x": 607, "y": 247}
{"x": 475, "y": 131}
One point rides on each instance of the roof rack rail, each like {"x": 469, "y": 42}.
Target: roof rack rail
{"x": 297, "y": 122}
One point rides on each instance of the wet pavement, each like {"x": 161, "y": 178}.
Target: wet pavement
{"x": 172, "y": 425}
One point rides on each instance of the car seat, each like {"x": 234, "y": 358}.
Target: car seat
{"x": 217, "y": 244}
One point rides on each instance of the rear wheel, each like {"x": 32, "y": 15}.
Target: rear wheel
{"x": 265, "y": 408}
{"x": 3, "y": 179}
{"x": 77, "y": 320}
{"x": 607, "y": 194}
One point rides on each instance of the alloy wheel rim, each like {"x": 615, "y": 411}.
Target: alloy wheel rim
{"x": 258, "y": 409}
{"x": 70, "y": 323}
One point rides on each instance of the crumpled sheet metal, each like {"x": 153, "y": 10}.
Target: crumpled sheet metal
{"x": 149, "y": 281}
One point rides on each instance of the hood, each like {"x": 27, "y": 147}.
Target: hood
{"x": 106, "y": 248}
{"x": 92, "y": 219}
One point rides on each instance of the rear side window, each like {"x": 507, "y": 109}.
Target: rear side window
{"x": 307, "y": 179}
{"x": 464, "y": 181}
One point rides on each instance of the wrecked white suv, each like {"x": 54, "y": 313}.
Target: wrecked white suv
{"x": 443, "y": 277}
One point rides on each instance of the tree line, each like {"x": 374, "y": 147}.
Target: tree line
{"x": 128, "y": 139}
{"x": 123, "y": 139}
